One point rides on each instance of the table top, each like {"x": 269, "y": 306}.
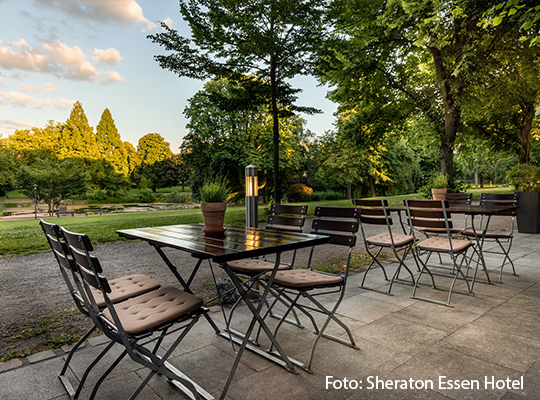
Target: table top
{"x": 233, "y": 244}
{"x": 469, "y": 210}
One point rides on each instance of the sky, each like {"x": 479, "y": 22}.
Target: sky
{"x": 56, "y": 52}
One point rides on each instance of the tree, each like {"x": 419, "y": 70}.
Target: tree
{"x": 132, "y": 158}
{"x": 110, "y": 146}
{"x": 36, "y": 143}
{"x": 271, "y": 39}
{"x": 418, "y": 54}
{"x": 175, "y": 171}
{"x": 77, "y": 137}
{"x": 152, "y": 148}
{"x": 7, "y": 166}
{"x": 224, "y": 138}
{"x": 54, "y": 181}
{"x": 101, "y": 175}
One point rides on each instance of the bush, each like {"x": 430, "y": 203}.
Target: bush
{"x": 96, "y": 195}
{"x": 178, "y": 197}
{"x": 11, "y": 205}
{"x": 146, "y": 196}
{"x": 325, "y": 196}
{"x": 298, "y": 193}
{"x": 525, "y": 178}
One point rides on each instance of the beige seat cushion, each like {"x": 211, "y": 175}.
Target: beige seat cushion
{"x": 254, "y": 267}
{"x": 385, "y": 240}
{"x": 440, "y": 230}
{"x": 489, "y": 235}
{"x": 442, "y": 244}
{"x": 126, "y": 287}
{"x": 304, "y": 278}
{"x": 150, "y": 310}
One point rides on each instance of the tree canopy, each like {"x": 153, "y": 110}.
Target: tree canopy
{"x": 274, "y": 40}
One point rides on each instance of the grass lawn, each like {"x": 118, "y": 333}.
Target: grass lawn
{"x": 25, "y": 237}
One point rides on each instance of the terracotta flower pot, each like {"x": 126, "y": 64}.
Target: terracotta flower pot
{"x": 213, "y": 216}
{"x": 438, "y": 194}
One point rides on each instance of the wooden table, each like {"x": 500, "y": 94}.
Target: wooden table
{"x": 234, "y": 244}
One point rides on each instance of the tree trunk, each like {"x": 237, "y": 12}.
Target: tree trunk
{"x": 275, "y": 129}
{"x": 372, "y": 186}
{"x": 452, "y": 117}
{"x": 476, "y": 177}
{"x": 524, "y": 151}
{"x": 349, "y": 190}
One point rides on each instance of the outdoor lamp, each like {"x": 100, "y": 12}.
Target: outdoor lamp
{"x": 252, "y": 213}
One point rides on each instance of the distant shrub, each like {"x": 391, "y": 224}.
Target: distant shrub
{"x": 298, "y": 192}
{"x": 96, "y": 195}
{"x": 178, "y": 197}
{"x": 11, "y": 205}
{"x": 326, "y": 195}
{"x": 146, "y": 196}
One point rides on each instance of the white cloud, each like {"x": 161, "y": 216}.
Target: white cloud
{"x": 55, "y": 57}
{"x": 16, "y": 99}
{"x": 110, "y": 56}
{"x": 111, "y": 77}
{"x": 118, "y": 11}
{"x": 45, "y": 87}
{"x": 8, "y": 125}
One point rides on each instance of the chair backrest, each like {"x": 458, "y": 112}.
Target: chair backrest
{"x": 462, "y": 199}
{"x": 429, "y": 214}
{"x": 373, "y": 212}
{"x": 497, "y": 199}
{"x": 340, "y": 223}
{"x": 292, "y": 221}
{"x": 89, "y": 269}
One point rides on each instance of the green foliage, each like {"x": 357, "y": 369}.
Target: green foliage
{"x": 109, "y": 144}
{"x": 273, "y": 40}
{"x": 96, "y": 195}
{"x": 214, "y": 190}
{"x": 54, "y": 181}
{"x": 298, "y": 193}
{"x": 146, "y": 196}
{"x": 439, "y": 181}
{"x": 152, "y": 148}
{"x": 77, "y": 139}
{"x": 178, "y": 197}
{"x": 525, "y": 178}
{"x": 10, "y": 205}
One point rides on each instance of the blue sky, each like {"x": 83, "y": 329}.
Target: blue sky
{"x": 56, "y": 52}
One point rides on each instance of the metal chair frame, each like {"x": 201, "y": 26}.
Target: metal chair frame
{"x": 341, "y": 224}
{"x": 292, "y": 221}
{"x": 136, "y": 346}
{"x": 374, "y": 212}
{"x": 434, "y": 214}
{"x": 495, "y": 199}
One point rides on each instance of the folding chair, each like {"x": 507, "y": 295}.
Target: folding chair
{"x": 502, "y": 238}
{"x": 434, "y": 214}
{"x": 341, "y": 224}
{"x": 283, "y": 218}
{"x": 121, "y": 289}
{"x": 374, "y": 212}
{"x": 138, "y": 323}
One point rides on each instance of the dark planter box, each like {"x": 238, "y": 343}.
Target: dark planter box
{"x": 529, "y": 212}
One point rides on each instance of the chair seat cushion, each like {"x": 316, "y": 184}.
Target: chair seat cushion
{"x": 304, "y": 278}
{"x": 153, "y": 309}
{"x": 384, "y": 239}
{"x": 442, "y": 244}
{"x": 489, "y": 234}
{"x": 440, "y": 230}
{"x": 254, "y": 267}
{"x": 126, "y": 287}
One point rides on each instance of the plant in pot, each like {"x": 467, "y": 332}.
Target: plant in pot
{"x": 526, "y": 180}
{"x": 213, "y": 194}
{"x": 439, "y": 186}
